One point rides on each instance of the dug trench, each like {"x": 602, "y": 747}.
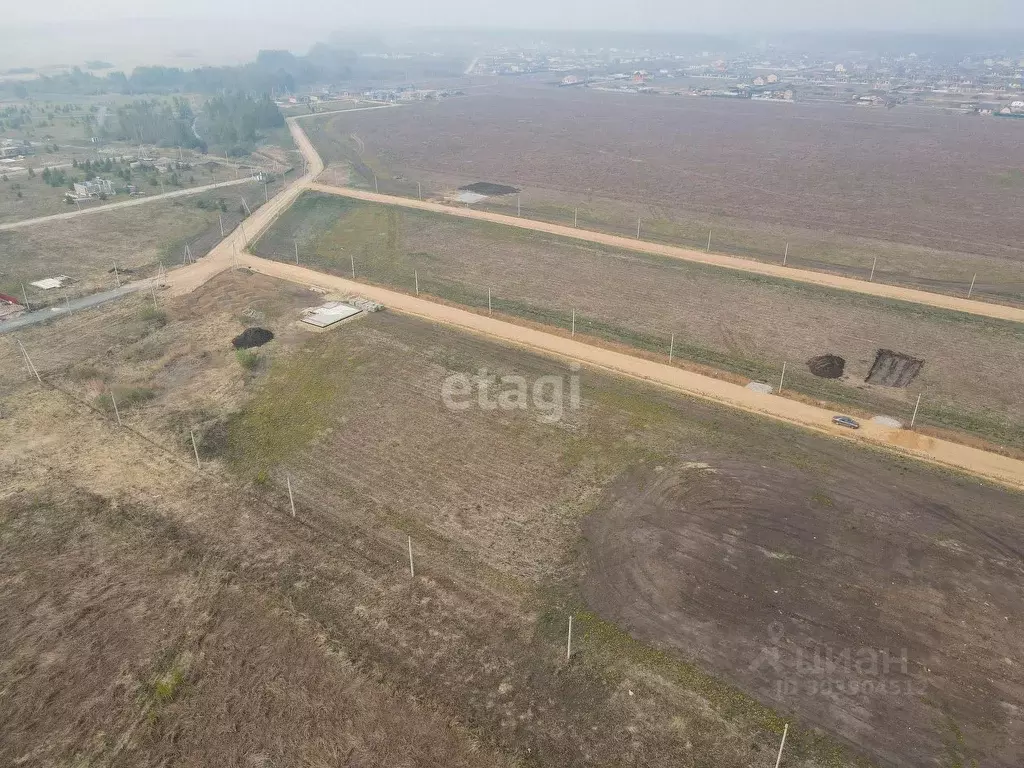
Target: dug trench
{"x": 864, "y": 607}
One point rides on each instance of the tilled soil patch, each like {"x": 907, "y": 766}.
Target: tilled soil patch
{"x": 835, "y": 601}
{"x": 894, "y": 369}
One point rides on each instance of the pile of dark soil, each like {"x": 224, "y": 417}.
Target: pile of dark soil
{"x": 252, "y": 337}
{"x": 488, "y": 188}
{"x": 827, "y": 366}
{"x": 893, "y": 369}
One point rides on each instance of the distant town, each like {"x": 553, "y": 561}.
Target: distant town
{"x": 982, "y": 84}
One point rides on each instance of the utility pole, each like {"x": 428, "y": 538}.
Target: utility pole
{"x": 416, "y": 277}
{"x": 353, "y": 260}
{"x": 786, "y": 257}
{"x": 785, "y": 731}
{"x": 637, "y": 227}
{"x": 671, "y": 348}
{"x": 296, "y": 243}
{"x": 195, "y": 448}
{"x": 568, "y": 642}
{"x": 116, "y": 412}
{"x": 116, "y": 276}
{"x": 519, "y": 210}
{"x": 488, "y": 301}
{"x": 782, "y": 378}
{"x": 873, "y": 265}
{"x": 419, "y": 191}
{"x": 28, "y": 360}
{"x": 575, "y": 217}
{"x": 709, "y": 241}
{"x": 25, "y": 294}
{"x": 914, "y": 417}
{"x": 266, "y": 193}
{"x": 220, "y": 217}
{"x": 971, "y": 289}
{"x": 574, "y": 322}
{"x": 375, "y": 187}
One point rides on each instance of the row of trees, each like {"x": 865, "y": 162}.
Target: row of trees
{"x": 271, "y": 72}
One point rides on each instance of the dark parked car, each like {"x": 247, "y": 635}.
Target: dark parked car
{"x": 845, "y": 421}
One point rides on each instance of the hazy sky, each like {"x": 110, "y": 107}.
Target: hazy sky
{"x": 661, "y": 15}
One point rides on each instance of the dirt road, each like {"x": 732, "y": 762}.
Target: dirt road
{"x": 231, "y": 251}
{"x": 823, "y": 279}
{"x": 982, "y": 463}
{"x": 124, "y": 204}
{"x": 224, "y": 254}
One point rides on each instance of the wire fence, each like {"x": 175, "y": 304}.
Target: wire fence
{"x": 659, "y": 342}
{"x": 634, "y": 222}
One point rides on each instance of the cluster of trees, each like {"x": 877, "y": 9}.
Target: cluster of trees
{"x": 166, "y": 124}
{"x": 210, "y": 205}
{"x": 56, "y": 177}
{"x": 237, "y": 122}
{"x": 233, "y": 123}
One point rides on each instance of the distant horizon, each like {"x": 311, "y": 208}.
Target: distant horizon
{"x": 953, "y": 30}
{"x": 195, "y": 42}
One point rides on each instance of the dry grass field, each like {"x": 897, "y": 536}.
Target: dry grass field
{"x": 741, "y": 324}
{"x": 932, "y": 196}
{"x": 138, "y": 239}
{"x": 155, "y": 613}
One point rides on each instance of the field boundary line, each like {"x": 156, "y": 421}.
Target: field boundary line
{"x": 123, "y": 204}
{"x": 735, "y": 263}
{"x": 990, "y": 466}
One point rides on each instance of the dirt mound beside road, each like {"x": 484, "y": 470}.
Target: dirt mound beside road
{"x": 760, "y": 574}
{"x": 827, "y": 366}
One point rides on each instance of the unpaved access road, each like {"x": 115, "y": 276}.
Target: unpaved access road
{"x": 231, "y": 247}
{"x": 991, "y": 466}
{"x": 822, "y": 279}
{"x": 124, "y": 204}
{"x": 1001, "y": 469}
